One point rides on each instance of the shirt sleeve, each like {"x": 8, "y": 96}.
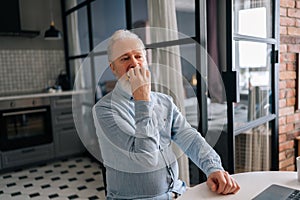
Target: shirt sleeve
{"x": 193, "y": 144}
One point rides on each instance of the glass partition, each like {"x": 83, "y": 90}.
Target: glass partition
{"x": 78, "y": 39}
{"x": 173, "y": 72}
{"x": 75, "y": 66}
{"x": 105, "y": 79}
{"x": 107, "y": 17}
{"x": 253, "y": 149}
{"x": 254, "y": 66}
{"x": 144, "y": 14}
{"x": 253, "y": 18}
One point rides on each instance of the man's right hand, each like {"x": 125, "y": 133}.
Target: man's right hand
{"x": 140, "y": 81}
{"x": 222, "y": 183}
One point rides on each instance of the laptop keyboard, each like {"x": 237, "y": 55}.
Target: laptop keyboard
{"x": 294, "y": 196}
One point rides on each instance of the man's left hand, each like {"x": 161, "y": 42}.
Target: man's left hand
{"x": 140, "y": 81}
{"x": 222, "y": 183}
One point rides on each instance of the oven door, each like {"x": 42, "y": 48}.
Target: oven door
{"x": 25, "y": 127}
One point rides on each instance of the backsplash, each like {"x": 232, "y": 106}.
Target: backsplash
{"x": 26, "y": 71}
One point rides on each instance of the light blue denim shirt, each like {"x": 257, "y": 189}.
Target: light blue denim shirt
{"x": 135, "y": 139}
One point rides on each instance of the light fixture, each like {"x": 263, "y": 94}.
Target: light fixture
{"x": 194, "y": 80}
{"x": 52, "y": 33}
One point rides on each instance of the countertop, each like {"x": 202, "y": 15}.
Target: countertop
{"x": 45, "y": 94}
{"x": 251, "y": 183}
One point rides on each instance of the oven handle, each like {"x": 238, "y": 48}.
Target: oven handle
{"x": 24, "y": 112}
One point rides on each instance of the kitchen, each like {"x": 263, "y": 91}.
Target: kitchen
{"x": 30, "y": 66}
{"x": 41, "y": 153}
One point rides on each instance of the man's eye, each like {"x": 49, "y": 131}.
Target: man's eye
{"x": 138, "y": 57}
{"x": 124, "y": 58}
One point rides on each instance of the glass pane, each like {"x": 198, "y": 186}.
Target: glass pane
{"x": 105, "y": 79}
{"x": 253, "y": 18}
{"x": 81, "y": 1}
{"x": 185, "y": 12}
{"x": 179, "y": 81}
{"x": 252, "y": 61}
{"x": 144, "y": 14}
{"x": 216, "y": 100}
{"x": 253, "y": 149}
{"x": 139, "y": 11}
{"x": 188, "y": 68}
{"x": 25, "y": 125}
{"x": 74, "y": 68}
{"x": 78, "y": 32}
{"x": 107, "y": 17}
{"x": 72, "y": 3}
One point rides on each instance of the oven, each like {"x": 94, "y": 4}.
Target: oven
{"x": 25, "y": 123}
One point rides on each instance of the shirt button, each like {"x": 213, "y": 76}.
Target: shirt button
{"x": 169, "y": 179}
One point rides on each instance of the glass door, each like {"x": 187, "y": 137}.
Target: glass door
{"x": 242, "y": 43}
{"x": 254, "y": 59}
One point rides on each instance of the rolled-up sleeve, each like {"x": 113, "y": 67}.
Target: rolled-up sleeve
{"x": 193, "y": 144}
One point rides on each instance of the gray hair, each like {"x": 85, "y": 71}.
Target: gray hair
{"x": 121, "y": 35}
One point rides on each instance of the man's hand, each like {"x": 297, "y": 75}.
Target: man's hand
{"x": 222, "y": 183}
{"x": 140, "y": 78}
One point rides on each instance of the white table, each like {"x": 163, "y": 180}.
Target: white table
{"x": 251, "y": 183}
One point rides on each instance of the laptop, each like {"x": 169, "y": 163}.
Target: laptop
{"x": 278, "y": 192}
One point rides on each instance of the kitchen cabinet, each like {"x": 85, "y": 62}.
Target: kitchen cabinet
{"x": 24, "y": 156}
{"x": 66, "y": 140}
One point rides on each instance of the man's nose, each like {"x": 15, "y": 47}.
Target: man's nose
{"x": 133, "y": 62}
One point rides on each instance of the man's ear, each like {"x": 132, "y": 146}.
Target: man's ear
{"x": 112, "y": 67}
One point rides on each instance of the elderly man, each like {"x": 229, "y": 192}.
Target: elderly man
{"x": 136, "y": 126}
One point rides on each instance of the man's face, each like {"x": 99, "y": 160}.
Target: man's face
{"x": 129, "y": 54}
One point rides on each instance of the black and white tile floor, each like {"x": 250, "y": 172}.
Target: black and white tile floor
{"x": 77, "y": 178}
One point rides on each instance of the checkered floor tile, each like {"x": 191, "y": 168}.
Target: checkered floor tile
{"x": 77, "y": 178}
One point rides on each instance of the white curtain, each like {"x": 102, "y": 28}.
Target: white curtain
{"x": 73, "y": 33}
{"x": 166, "y": 64}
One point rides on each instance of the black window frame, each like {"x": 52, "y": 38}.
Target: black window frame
{"x": 199, "y": 38}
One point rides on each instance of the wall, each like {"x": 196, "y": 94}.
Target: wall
{"x": 29, "y": 71}
{"x": 289, "y": 116}
{"x": 27, "y": 64}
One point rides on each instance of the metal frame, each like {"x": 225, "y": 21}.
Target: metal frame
{"x": 201, "y": 62}
{"x": 273, "y": 118}
{"x": 275, "y": 73}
